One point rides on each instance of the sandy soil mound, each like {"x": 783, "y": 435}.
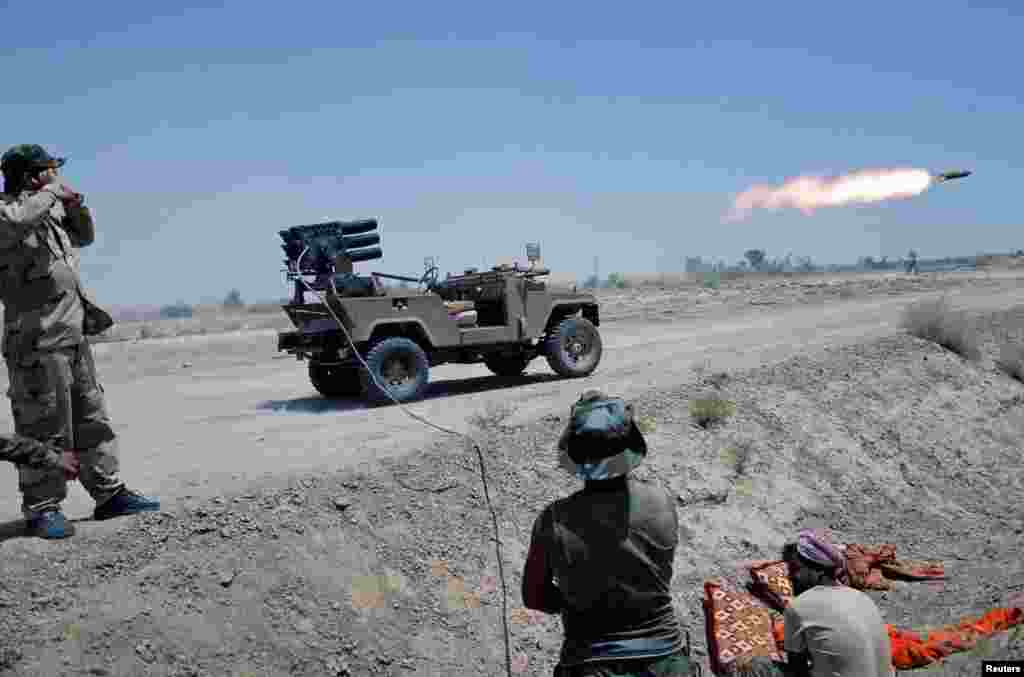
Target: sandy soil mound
{"x": 393, "y": 572}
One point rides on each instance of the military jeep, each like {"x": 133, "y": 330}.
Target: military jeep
{"x": 504, "y": 318}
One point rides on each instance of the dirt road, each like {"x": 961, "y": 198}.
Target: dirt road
{"x": 202, "y": 415}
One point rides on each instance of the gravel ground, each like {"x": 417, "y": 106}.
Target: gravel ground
{"x": 391, "y": 570}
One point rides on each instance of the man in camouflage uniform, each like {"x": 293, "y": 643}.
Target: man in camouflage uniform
{"x": 54, "y": 392}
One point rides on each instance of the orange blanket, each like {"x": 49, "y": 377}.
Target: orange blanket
{"x": 918, "y": 649}
{"x": 863, "y": 565}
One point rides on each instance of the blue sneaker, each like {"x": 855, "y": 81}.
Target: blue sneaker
{"x": 49, "y": 524}
{"x": 125, "y": 502}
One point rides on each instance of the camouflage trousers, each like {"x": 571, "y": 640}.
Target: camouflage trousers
{"x": 56, "y": 397}
{"x": 677, "y": 665}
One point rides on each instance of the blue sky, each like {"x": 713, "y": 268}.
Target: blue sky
{"x": 469, "y": 129}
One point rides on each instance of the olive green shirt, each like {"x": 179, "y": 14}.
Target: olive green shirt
{"x": 611, "y": 548}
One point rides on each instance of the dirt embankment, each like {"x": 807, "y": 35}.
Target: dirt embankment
{"x": 394, "y": 573}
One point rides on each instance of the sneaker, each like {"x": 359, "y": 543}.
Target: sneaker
{"x": 49, "y": 524}
{"x": 125, "y": 502}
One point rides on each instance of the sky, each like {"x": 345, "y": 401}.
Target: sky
{"x": 621, "y": 131}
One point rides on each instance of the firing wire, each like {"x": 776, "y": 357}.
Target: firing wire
{"x": 417, "y": 417}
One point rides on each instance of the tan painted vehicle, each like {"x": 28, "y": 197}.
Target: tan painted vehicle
{"x": 503, "y": 318}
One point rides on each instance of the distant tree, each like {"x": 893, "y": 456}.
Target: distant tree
{"x": 755, "y": 256}
{"x": 616, "y": 281}
{"x": 234, "y": 299}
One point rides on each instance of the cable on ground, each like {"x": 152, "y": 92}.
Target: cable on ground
{"x": 420, "y": 419}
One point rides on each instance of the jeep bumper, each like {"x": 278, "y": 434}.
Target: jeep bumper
{"x": 299, "y": 342}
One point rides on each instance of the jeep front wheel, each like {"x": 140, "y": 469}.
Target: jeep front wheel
{"x": 332, "y": 380}
{"x": 398, "y": 365}
{"x": 574, "y": 348}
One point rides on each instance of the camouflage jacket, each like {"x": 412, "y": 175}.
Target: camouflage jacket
{"x": 45, "y": 307}
{"x": 25, "y": 451}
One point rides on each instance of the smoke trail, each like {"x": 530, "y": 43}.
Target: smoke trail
{"x": 809, "y": 193}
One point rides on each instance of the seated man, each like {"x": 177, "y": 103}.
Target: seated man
{"x": 603, "y": 557}
{"x": 831, "y": 630}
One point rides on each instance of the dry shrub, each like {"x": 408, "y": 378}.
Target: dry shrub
{"x": 709, "y": 411}
{"x": 646, "y": 424}
{"x": 934, "y": 320}
{"x": 1011, "y": 360}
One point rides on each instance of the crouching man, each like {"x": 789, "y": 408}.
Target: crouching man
{"x": 831, "y": 630}
{"x": 602, "y": 557}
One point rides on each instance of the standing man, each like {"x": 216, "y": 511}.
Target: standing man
{"x": 603, "y": 556}
{"x": 831, "y": 630}
{"x": 54, "y": 391}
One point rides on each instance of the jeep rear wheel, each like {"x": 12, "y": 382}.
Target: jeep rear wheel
{"x": 400, "y": 366}
{"x": 507, "y": 365}
{"x": 333, "y": 380}
{"x": 574, "y": 348}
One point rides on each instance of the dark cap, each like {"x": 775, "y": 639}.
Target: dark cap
{"x": 26, "y": 157}
{"x": 602, "y": 428}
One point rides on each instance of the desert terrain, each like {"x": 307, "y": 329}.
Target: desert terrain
{"x": 302, "y": 536}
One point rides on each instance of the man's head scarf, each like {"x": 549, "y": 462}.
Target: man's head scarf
{"x": 816, "y": 548}
{"x": 601, "y": 441}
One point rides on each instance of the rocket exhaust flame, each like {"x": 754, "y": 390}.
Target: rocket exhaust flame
{"x": 809, "y": 193}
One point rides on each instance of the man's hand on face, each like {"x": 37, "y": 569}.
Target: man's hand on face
{"x": 42, "y": 178}
{"x": 64, "y": 193}
{"x": 50, "y": 180}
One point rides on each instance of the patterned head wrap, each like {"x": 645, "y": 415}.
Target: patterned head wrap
{"x": 817, "y": 548}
